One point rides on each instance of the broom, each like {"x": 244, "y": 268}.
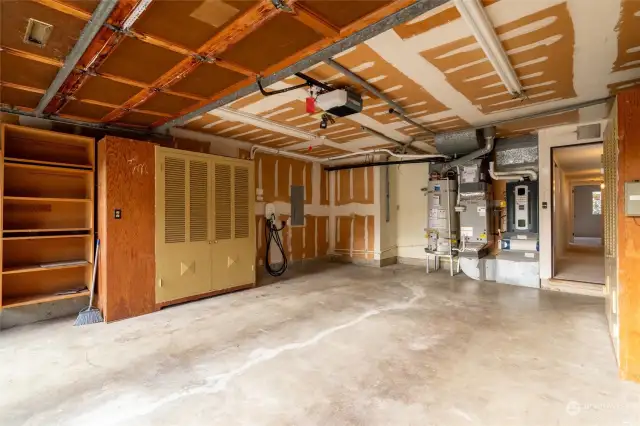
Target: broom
{"x": 91, "y": 315}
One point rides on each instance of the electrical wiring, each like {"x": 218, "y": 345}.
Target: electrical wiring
{"x": 273, "y": 234}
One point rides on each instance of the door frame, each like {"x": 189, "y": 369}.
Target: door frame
{"x": 552, "y": 205}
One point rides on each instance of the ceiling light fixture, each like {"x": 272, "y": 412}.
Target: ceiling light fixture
{"x": 473, "y": 13}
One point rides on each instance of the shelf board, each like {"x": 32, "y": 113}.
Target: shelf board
{"x": 43, "y": 237}
{"x": 38, "y": 268}
{"x": 47, "y": 163}
{"x": 41, "y": 167}
{"x": 17, "y": 231}
{"x": 12, "y": 302}
{"x": 48, "y": 199}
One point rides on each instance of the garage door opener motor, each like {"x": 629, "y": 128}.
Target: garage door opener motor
{"x": 272, "y": 234}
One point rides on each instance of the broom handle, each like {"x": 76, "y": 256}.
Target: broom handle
{"x": 95, "y": 269}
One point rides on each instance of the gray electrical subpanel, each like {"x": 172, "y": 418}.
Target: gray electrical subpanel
{"x": 632, "y": 198}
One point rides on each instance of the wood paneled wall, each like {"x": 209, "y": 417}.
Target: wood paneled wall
{"x": 126, "y": 181}
{"x": 275, "y": 175}
{"x": 353, "y": 195}
{"x": 628, "y": 235}
{"x": 354, "y": 186}
{"x": 355, "y": 236}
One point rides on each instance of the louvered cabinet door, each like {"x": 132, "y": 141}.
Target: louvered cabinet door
{"x": 233, "y": 250}
{"x": 182, "y": 226}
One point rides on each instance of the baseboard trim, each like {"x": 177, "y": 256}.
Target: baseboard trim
{"x": 574, "y": 287}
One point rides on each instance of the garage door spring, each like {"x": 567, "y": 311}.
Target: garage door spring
{"x": 272, "y": 234}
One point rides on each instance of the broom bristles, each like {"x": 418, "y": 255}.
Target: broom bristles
{"x": 89, "y": 316}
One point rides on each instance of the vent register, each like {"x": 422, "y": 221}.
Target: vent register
{"x": 192, "y": 195}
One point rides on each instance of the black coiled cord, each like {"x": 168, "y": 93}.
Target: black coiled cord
{"x": 272, "y": 234}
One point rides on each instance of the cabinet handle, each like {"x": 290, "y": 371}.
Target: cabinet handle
{"x": 159, "y": 282}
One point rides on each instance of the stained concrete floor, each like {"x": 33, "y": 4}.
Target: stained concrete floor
{"x": 339, "y": 345}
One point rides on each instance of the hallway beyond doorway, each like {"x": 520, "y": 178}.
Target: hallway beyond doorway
{"x": 581, "y": 263}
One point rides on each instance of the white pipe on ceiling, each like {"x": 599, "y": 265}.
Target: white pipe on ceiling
{"x": 473, "y": 13}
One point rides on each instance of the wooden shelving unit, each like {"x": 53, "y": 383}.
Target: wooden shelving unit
{"x": 47, "y": 215}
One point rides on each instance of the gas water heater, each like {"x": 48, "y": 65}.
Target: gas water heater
{"x": 442, "y": 230}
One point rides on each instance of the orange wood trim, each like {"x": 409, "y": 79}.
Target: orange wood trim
{"x": 310, "y": 19}
{"x": 103, "y": 44}
{"x": 108, "y": 105}
{"x": 223, "y": 63}
{"x": 66, "y": 8}
{"x": 229, "y": 90}
{"x": 628, "y": 232}
{"x": 31, "y": 56}
{"x": 176, "y": 73}
{"x": 246, "y": 23}
{"x": 369, "y": 19}
{"x": 116, "y": 78}
{"x": 203, "y": 296}
{"x": 141, "y": 85}
{"x": 364, "y": 22}
{"x": 21, "y": 87}
{"x": 184, "y": 95}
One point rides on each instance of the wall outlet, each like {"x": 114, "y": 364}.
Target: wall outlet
{"x": 269, "y": 210}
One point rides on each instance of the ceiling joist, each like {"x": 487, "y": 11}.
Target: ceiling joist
{"x": 248, "y": 22}
{"x": 105, "y": 42}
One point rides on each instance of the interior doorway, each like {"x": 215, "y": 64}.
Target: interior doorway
{"x": 578, "y": 250}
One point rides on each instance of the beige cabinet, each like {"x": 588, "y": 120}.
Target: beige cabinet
{"x": 205, "y": 232}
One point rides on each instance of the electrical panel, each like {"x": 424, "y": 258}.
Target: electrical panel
{"x": 632, "y": 198}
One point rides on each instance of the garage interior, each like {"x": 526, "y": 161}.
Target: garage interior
{"x": 319, "y": 212}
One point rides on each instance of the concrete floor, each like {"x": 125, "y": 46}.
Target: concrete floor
{"x": 339, "y": 345}
{"x": 582, "y": 264}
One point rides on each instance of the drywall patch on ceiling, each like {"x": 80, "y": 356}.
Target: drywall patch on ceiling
{"x": 546, "y": 34}
{"x": 432, "y": 19}
{"x": 622, "y": 85}
{"x": 395, "y": 84}
{"x": 595, "y": 47}
{"x": 500, "y": 13}
{"x": 628, "y": 36}
{"x": 214, "y": 12}
{"x": 531, "y": 125}
{"x": 399, "y": 54}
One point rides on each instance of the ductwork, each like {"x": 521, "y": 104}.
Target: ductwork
{"x": 516, "y": 174}
{"x": 489, "y": 136}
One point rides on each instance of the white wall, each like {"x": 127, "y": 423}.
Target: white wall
{"x": 412, "y": 210}
{"x": 388, "y": 230}
{"x": 547, "y": 139}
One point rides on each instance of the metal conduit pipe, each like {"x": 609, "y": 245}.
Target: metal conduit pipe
{"x": 386, "y": 151}
{"x": 403, "y": 145}
{"x": 411, "y": 121}
{"x": 266, "y": 149}
{"x": 98, "y": 19}
{"x": 364, "y": 83}
{"x": 518, "y": 174}
{"x": 379, "y": 163}
{"x": 395, "y": 107}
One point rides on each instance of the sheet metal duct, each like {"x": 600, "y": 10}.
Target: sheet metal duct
{"x": 516, "y": 153}
{"x": 459, "y": 142}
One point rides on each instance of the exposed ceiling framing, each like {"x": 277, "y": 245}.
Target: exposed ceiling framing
{"x": 158, "y": 64}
